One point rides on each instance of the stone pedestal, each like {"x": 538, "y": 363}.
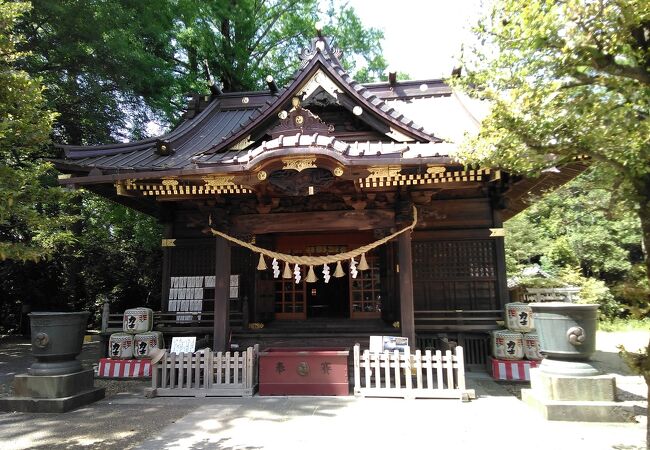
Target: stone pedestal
{"x": 52, "y": 393}
{"x": 576, "y": 398}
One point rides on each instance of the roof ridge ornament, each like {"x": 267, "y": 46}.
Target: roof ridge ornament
{"x": 320, "y": 44}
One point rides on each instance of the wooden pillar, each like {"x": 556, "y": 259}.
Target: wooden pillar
{"x": 407, "y": 318}
{"x": 222, "y": 296}
{"x": 168, "y": 232}
{"x": 502, "y": 281}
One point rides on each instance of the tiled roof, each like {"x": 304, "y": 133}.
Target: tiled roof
{"x": 208, "y": 137}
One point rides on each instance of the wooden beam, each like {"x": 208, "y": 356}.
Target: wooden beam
{"x": 314, "y": 221}
{"x": 502, "y": 279}
{"x": 407, "y": 317}
{"x": 222, "y": 296}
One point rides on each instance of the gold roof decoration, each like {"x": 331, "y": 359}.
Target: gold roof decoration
{"x": 299, "y": 163}
{"x": 215, "y": 182}
{"x": 383, "y": 171}
{"x": 436, "y": 169}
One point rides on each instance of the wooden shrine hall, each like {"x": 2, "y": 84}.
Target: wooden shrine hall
{"x": 318, "y": 170}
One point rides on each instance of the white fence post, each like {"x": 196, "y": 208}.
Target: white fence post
{"x": 428, "y": 370}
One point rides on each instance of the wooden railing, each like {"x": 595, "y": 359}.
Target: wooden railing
{"x": 206, "y": 374}
{"x": 195, "y": 323}
{"x": 395, "y": 374}
{"x": 458, "y": 320}
{"x": 564, "y": 294}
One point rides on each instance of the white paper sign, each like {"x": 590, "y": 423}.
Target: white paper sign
{"x": 183, "y": 344}
{"x": 379, "y": 344}
{"x": 376, "y": 344}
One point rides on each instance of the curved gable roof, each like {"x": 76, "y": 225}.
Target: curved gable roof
{"x": 323, "y": 60}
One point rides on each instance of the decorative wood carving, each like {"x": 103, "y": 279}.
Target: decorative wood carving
{"x": 300, "y": 120}
{"x": 299, "y": 163}
{"x": 383, "y": 171}
{"x": 298, "y": 183}
{"x": 357, "y": 203}
{"x": 266, "y": 205}
{"x": 215, "y": 182}
{"x": 422, "y": 197}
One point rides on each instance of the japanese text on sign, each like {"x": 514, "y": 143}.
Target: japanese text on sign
{"x": 183, "y": 344}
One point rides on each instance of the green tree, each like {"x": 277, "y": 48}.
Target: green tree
{"x": 108, "y": 65}
{"x": 30, "y": 221}
{"x": 567, "y": 79}
{"x": 247, "y": 40}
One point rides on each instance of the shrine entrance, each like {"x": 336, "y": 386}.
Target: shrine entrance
{"x": 330, "y": 299}
{"x": 342, "y": 297}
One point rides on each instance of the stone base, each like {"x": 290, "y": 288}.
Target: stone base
{"x": 579, "y": 411}
{"x": 51, "y": 405}
{"x": 568, "y": 368}
{"x": 577, "y": 398}
{"x": 53, "y": 386}
{"x": 52, "y": 393}
{"x": 576, "y": 388}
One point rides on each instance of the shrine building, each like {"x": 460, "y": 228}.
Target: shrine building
{"x": 327, "y": 209}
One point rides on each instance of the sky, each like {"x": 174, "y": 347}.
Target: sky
{"x": 421, "y": 37}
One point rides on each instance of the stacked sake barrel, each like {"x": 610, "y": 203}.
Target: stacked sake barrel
{"x": 519, "y": 340}
{"x": 137, "y": 339}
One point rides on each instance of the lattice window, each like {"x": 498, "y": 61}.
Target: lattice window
{"x": 454, "y": 259}
{"x": 290, "y": 299}
{"x": 365, "y": 291}
{"x": 455, "y": 275}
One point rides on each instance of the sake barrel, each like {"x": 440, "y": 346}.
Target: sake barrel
{"x": 137, "y": 320}
{"x": 507, "y": 344}
{"x": 519, "y": 317}
{"x": 120, "y": 346}
{"x": 145, "y": 342}
{"x": 531, "y": 347}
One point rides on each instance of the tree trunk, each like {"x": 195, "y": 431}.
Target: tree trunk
{"x": 642, "y": 187}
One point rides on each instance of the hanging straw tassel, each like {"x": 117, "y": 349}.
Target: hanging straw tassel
{"x": 338, "y": 273}
{"x": 287, "y": 272}
{"x": 363, "y": 264}
{"x": 311, "y": 276}
{"x": 261, "y": 265}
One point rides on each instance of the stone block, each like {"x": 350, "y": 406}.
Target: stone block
{"x": 579, "y": 411}
{"x": 51, "y": 405}
{"x": 567, "y": 388}
{"x": 53, "y": 386}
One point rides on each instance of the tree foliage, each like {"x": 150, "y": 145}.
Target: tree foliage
{"x": 108, "y": 65}
{"x": 566, "y": 79}
{"x": 247, "y": 40}
{"x": 30, "y": 223}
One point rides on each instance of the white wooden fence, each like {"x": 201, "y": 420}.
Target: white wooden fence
{"x": 395, "y": 374}
{"x": 206, "y": 374}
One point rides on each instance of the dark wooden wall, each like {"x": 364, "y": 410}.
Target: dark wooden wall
{"x": 455, "y": 274}
{"x": 456, "y": 264}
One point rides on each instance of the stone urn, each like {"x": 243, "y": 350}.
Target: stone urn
{"x": 567, "y": 337}
{"x": 57, "y": 338}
